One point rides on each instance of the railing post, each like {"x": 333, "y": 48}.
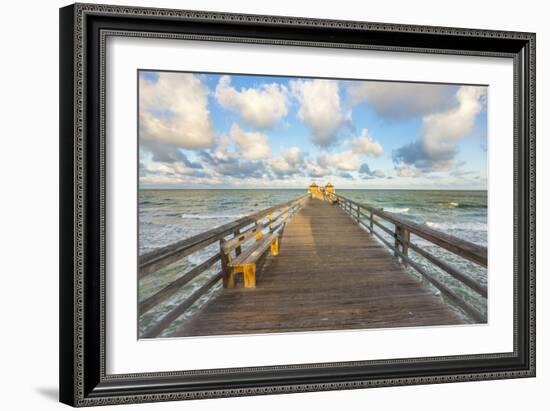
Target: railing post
{"x": 259, "y": 233}
{"x": 358, "y": 213}
{"x": 397, "y": 236}
{"x": 405, "y": 237}
{"x": 238, "y": 250}
{"x": 371, "y": 222}
{"x": 228, "y": 279}
{"x": 271, "y": 222}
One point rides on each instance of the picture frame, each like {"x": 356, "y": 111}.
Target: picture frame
{"x": 84, "y": 29}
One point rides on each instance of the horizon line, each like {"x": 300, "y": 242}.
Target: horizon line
{"x": 305, "y": 188}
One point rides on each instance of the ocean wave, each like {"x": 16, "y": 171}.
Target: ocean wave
{"x": 396, "y": 210}
{"x": 457, "y": 226}
{"x": 453, "y": 204}
{"x": 211, "y": 216}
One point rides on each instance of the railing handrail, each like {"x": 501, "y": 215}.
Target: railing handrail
{"x": 466, "y": 249}
{"x": 161, "y": 257}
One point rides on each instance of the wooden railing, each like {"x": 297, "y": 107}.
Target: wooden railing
{"x": 371, "y": 217}
{"x": 273, "y": 218}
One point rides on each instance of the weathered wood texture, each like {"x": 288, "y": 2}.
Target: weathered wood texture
{"x": 330, "y": 274}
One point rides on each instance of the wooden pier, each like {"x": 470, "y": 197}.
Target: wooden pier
{"x": 333, "y": 271}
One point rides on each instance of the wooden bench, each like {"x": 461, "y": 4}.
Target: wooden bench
{"x": 245, "y": 262}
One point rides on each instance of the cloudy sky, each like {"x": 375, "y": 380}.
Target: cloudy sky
{"x": 242, "y": 131}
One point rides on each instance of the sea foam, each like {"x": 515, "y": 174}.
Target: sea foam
{"x": 210, "y": 216}
{"x": 397, "y": 210}
{"x": 458, "y": 226}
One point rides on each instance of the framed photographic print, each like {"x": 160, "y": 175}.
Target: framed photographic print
{"x": 261, "y": 204}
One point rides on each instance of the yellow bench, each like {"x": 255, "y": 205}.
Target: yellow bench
{"x": 245, "y": 262}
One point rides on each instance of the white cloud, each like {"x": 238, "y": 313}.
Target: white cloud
{"x": 404, "y": 170}
{"x": 153, "y": 172}
{"x": 293, "y": 156}
{"x": 158, "y": 168}
{"x": 261, "y": 107}
{"x": 441, "y": 131}
{"x": 345, "y": 160}
{"x": 365, "y": 144}
{"x": 232, "y": 164}
{"x": 222, "y": 148}
{"x": 315, "y": 170}
{"x": 174, "y": 110}
{"x": 292, "y": 161}
{"x": 401, "y": 100}
{"x": 280, "y": 166}
{"x": 252, "y": 145}
{"x": 366, "y": 173}
{"x": 320, "y": 108}
{"x": 437, "y": 148}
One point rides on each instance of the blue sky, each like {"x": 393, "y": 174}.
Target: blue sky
{"x": 199, "y": 130}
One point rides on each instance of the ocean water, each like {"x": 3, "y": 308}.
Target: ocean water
{"x": 166, "y": 216}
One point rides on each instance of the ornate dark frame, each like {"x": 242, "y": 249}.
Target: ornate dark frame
{"x": 83, "y": 31}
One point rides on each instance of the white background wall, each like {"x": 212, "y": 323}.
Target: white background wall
{"x": 29, "y": 204}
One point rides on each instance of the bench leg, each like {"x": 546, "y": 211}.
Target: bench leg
{"x": 229, "y": 279}
{"x": 275, "y": 247}
{"x": 249, "y": 272}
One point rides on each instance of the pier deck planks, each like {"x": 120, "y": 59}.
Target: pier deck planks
{"x": 330, "y": 274}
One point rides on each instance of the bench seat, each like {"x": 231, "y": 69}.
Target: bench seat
{"x": 246, "y": 261}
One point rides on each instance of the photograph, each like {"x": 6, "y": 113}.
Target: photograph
{"x": 284, "y": 204}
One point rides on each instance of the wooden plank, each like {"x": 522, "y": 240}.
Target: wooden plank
{"x": 255, "y": 251}
{"x": 330, "y": 274}
{"x": 232, "y": 244}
